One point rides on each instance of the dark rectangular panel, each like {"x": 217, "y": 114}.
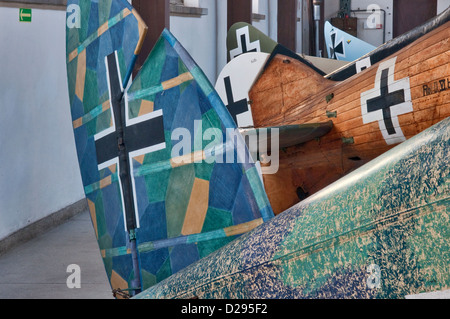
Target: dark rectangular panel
{"x": 287, "y": 23}
{"x": 410, "y": 14}
{"x": 239, "y": 11}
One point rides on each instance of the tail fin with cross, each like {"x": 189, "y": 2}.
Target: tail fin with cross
{"x": 154, "y": 210}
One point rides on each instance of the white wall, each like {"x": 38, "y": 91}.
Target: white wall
{"x": 442, "y": 5}
{"x": 39, "y": 172}
{"x": 268, "y": 26}
{"x": 198, "y": 36}
{"x": 261, "y": 7}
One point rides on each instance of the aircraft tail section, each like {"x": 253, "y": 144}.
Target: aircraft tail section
{"x": 343, "y": 46}
{"x": 161, "y": 194}
{"x": 286, "y": 82}
{"x": 243, "y": 37}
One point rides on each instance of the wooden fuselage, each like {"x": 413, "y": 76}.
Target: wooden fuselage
{"x": 372, "y": 112}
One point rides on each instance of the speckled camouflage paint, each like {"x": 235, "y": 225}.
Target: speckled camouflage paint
{"x": 393, "y": 215}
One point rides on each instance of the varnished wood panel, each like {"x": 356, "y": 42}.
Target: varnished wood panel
{"x": 289, "y": 92}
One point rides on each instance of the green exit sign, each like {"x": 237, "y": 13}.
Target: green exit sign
{"x": 24, "y": 15}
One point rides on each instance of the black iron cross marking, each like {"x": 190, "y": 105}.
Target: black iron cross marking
{"x": 388, "y": 100}
{"x": 339, "y": 48}
{"x": 123, "y": 139}
{"x": 244, "y": 44}
{"x": 385, "y": 101}
{"x": 235, "y": 108}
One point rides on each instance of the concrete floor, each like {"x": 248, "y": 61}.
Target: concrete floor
{"x": 38, "y": 268}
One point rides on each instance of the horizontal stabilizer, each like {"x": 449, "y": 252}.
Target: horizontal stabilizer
{"x": 324, "y": 64}
{"x": 291, "y": 135}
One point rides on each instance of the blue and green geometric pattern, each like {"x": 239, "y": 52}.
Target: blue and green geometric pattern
{"x": 154, "y": 153}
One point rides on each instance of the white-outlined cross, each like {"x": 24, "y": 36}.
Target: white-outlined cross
{"x": 125, "y": 140}
{"x": 244, "y": 44}
{"x": 337, "y": 49}
{"x": 385, "y": 102}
